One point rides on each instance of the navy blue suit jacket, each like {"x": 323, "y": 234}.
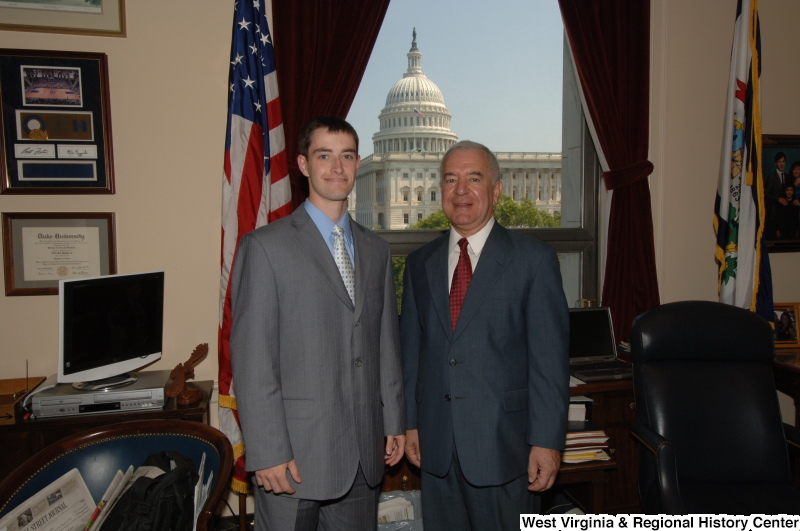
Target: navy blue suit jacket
{"x": 500, "y": 383}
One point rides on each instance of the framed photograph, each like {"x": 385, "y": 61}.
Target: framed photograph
{"x": 104, "y": 18}
{"x": 41, "y": 248}
{"x": 786, "y": 324}
{"x": 56, "y": 123}
{"x": 781, "y": 154}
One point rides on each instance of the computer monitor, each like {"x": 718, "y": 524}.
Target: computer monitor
{"x": 108, "y": 326}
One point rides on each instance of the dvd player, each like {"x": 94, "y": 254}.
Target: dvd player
{"x": 63, "y": 400}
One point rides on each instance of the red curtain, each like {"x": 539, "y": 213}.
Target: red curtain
{"x": 610, "y": 42}
{"x": 321, "y": 51}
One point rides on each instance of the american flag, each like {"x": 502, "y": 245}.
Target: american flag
{"x": 255, "y": 184}
{"x": 745, "y": 279}
{"x": 419, "y": 113}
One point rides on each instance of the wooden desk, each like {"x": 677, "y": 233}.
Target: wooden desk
{"x": 24, "y": 438}
{"x": 613, "y": 411}
{"x": 595, "y": 475}
{"x": 786, "y": 368}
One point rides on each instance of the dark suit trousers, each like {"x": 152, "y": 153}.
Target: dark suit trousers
{"x": 451, "y": 503}
{"x": 355, "y": 511}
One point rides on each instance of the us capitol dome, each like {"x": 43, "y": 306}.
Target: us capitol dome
{"x": 415, "y": 117}
{"x": 399, "y": 183}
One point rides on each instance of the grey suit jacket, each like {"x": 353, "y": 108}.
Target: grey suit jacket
{"x": 500, "y": 382}
{"x": 316, "y": 379}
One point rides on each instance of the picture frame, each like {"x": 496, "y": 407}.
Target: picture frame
{"x": 786, "y": 315}
{"x": 41, "y": 248}
{"x": 771, "y": 146}
{"x": 101, "y": 18}
{"x": 55, "y": 126}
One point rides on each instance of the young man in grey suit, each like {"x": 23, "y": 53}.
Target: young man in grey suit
{"x": 486, "y": 372}
{"x": 315, "y": 351}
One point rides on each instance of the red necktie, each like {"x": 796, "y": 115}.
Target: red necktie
{"x": 461, "y": 278}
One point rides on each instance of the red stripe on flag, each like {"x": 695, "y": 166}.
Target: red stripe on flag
{"x": 278, "y": 213}
{"x": 279, "y": 169}
{"x": 274, "y": 118}
{"x": 250, "y": 189}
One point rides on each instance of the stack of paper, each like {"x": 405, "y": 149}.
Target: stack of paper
{"x": 395, "y": 509}
{"x": 585, "y": 442}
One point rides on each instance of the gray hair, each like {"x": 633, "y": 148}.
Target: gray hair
{"x": 469, "y": 145}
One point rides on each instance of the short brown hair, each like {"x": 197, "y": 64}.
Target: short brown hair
{"x": 333, "y": 124}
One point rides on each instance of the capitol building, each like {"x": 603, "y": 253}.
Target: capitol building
{"x": 398, "y": 184}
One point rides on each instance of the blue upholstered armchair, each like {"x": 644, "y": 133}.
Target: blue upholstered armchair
{"x": 100, "y": 452}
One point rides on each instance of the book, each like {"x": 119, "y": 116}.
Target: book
{"x": 585, "y": 442}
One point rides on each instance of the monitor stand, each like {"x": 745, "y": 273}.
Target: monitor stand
{"x": 106, "y": 383}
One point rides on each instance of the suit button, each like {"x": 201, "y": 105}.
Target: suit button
{"x": 358, "y": 323}
{"x": 453, "y": 362}
{"x": 359, "y": 363}
{"x": 447, "y": 397}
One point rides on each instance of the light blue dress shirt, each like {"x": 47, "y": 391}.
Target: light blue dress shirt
{"x": 325, "y": 227}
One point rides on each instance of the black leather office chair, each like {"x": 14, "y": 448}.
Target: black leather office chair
{"x": 100, "y": 452}
{"x": 707, "y": 414}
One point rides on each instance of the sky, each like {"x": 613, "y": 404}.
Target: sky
{"x": 499, "y": 69}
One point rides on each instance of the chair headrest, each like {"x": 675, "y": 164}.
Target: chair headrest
{"x": 701, "y": 330}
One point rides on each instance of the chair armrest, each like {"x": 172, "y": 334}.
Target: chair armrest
{"x": 792, "y": 438}
{"x": 664, "y": 471}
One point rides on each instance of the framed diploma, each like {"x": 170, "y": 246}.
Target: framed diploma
{"x": 41, "y": 248}
{"x": 56, "y": 123}
{"x": 104, "y": 18}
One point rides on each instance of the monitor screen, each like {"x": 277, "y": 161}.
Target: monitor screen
{"x": 109, "y": 325}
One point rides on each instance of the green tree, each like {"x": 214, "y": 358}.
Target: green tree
{"x": 437, "y": 220}
{"x": 514, "y": 215}
{"x": 509, "y": 213}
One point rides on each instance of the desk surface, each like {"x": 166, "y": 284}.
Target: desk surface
{"x": 788, "y": 359}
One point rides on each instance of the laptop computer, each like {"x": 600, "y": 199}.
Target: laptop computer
{"x": 592, "y": 349}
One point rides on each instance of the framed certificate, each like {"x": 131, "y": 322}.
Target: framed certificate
{"x": 56, "y": 123}
{"x": 41, "y": 248}
{"x": 104, "y": 18}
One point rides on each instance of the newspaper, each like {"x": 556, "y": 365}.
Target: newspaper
{"x": 64, "y": 505}
{"x": 394, "y": 510}
{"x": 128, "y": 479}
{"x": 118, "y": 485}
{"x": 201, "y": 489}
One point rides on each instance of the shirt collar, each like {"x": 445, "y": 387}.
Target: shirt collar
{"x": 324, "y": 223}
{"x": 476, "y": 241}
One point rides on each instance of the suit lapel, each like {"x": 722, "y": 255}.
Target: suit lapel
{"x": 436, "y": 267}
{"x": 364, "y": 266}
{"x": 311, "y": 242}
{"x": 493, "y": 260}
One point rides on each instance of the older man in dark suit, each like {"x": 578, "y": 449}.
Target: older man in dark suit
{"x": 484, "y": 333}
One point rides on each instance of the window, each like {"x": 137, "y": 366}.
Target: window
{"x": 571, "y": 194}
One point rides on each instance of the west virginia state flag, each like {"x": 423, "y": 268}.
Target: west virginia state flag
{"x": 745, "y": 279}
